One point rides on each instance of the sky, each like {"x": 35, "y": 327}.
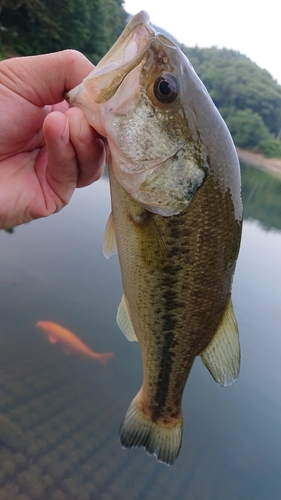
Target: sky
{"x": 251, "y": 27}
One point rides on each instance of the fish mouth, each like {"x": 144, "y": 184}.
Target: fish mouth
{"x": 126, "y": 53}
{"x": 130, "y": 43}
{"x": 132, "y": 49}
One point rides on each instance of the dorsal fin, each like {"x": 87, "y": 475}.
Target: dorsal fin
{"x": 124, "y": 321}
{"x": 222, "y": 355}
{"x": 109, "y": 242}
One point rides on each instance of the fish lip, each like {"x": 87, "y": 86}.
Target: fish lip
{"x": 137, "y": 34}
{"x": 141, "y": 17}
{"x": 139, "y": 30}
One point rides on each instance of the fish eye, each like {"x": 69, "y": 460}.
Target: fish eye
{"x": 166, "y": 88}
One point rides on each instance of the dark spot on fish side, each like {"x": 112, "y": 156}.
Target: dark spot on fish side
{"x": 170, "y": 322}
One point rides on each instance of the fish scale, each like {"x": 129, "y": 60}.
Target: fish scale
{"x": 174, "y": 294}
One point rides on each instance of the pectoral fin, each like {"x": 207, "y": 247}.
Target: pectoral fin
{"x": 124, "y": 321}
{"x": 222, "y": 355}
{"x": 109, "y": 242}
{"x": 150, "y": 239}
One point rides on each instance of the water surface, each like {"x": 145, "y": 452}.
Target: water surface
{"x": 69, "y": 409}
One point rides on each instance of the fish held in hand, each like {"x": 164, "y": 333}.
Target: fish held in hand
{"x": 70, "y": 341}
{"x": 176, "y": 221}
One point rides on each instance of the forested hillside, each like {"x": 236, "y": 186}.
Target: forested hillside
{"x": 247, "y": 96}
{"x": 40, "y": 26}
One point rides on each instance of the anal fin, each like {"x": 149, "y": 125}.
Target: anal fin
{"x": 222, "y": 355}
{"x": 124, "y": 321}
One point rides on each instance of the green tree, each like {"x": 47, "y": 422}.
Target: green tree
{"x": 39, "y": 26}
{"x": 107, "y": 21}
{"x": 247, "y": 128}
{"x": 241, "y": 91}
{"x": 261, "y": 194}
{"x": 235, "y": 82}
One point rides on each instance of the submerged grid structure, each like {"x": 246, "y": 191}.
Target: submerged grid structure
{"x": 58, "y": 440}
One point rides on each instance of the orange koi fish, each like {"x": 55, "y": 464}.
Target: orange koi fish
{"x": 71, "y": 342}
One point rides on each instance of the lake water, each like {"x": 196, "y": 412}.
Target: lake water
{"x": 68, "y": 409}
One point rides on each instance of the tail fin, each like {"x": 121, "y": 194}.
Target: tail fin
{"x": 104, "y": 357}
{"x": 163, "y": 441}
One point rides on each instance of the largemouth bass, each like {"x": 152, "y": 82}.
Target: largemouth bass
{"x": 176, "y": 219}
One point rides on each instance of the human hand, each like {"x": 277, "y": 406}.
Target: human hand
{"x": 46, "y": 148}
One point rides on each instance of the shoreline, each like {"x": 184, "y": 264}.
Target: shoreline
{"x": 270, "y": 165}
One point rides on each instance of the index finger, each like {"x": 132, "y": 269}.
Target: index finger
{"x": 45, "y": 78}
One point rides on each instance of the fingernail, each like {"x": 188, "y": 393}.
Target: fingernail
{"x": 65, "y": 135}
{"x": 85, "y": 134}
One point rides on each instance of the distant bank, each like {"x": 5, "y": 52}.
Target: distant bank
{"x": 271, "y": 165}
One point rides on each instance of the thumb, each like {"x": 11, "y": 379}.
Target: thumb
{"x": 44, "y": 79}
{"x": 75, "y": 154}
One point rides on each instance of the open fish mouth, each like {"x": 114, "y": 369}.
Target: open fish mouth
{"x": 129, "y": 51}
{"x": 117, "y": 61}
{"x": 131, "y": 43}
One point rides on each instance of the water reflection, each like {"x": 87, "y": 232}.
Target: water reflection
{"x": 261, "y": 196}
{"x": 69, "y": 409}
